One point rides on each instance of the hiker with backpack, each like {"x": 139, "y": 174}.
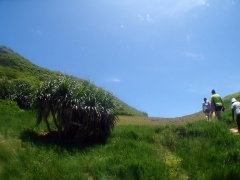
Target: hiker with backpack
{"x": 236, "y": 109}
{"x": 216, "y": 104}
{"x": 206, "y": 108}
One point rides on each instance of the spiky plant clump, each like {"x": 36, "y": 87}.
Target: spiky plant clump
{"x": 19, "y": 91}
{"x": 22, "y": 92}
{"x": 80, "y": 112}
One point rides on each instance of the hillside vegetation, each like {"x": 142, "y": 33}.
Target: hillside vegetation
{"x": 137, "y": 148}
{"x": 14, "y": 67}
{"x": 140, "y": 148}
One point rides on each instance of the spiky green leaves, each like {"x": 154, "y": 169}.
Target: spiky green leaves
{"x": 80, "y": 111}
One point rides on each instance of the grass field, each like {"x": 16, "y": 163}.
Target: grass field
{"x": 139, "y": 148}
{"x": 152, "y": 121}
{"x": 182, "y": 148}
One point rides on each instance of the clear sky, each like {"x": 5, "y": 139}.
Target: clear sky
{"x": 158, "y": 56}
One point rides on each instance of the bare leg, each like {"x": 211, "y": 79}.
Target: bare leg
{"x": 210, "y": 115}
{"x": 206, "y": 118}
{"x": 207, "y": 114}
{"x": 218, "y": 113}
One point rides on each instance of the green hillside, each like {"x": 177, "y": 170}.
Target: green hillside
{"x": 180, "y": 148}
{"x": 14, "y": 67}
{"x": 187, "y": 147}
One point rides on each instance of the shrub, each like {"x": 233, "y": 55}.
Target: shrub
{"x": 8, "y": 106}
{"x": 80, "y": 112}
{"x": 22, "y": 92}
{"x": 4, "y": 88}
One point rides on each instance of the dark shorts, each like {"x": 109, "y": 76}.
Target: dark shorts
{"x": 218, "y": 108}
{"x": 238, "y": 122}
{"x": 207, "y": 110}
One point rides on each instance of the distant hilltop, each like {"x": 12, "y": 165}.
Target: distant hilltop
{"x": 6, "y": 50}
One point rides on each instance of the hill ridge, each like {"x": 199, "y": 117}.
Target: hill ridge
{"x": 15, "y": 67}
{"x": 6, "y": 50}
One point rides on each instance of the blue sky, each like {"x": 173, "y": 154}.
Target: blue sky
{"x": 158, "y": 56}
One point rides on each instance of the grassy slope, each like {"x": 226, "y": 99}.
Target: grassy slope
{"x": 186, "y": 147}
{"x": 140, "y": 148}
{"x": 181, "y": 120}
{"x": 15, "y": 67}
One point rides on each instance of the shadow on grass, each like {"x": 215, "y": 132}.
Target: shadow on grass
{"x": 48, "y": 141}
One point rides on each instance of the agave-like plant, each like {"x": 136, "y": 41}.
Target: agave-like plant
{"x": 96, "y": 112}
{"x": 80, "y": 111}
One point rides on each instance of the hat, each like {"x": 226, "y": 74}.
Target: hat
{"x": 233, "y": 100}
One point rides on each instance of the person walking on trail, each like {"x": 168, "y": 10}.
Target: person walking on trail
{"x": 217, "y": 104}
{"x": 236, "y": 109}
{"x": 206, "y": 108}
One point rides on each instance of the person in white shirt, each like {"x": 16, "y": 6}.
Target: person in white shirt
{"x": 236, "y": 109}
{"x": 206, "y": 108}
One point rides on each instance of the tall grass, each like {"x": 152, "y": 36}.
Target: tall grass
{"x": 130, "y": 153}
{"x": 198, "y": 150}
{"x": 208, "y": 150}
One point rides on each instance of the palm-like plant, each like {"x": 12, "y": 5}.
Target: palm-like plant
{"x": 80, "y": 111}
